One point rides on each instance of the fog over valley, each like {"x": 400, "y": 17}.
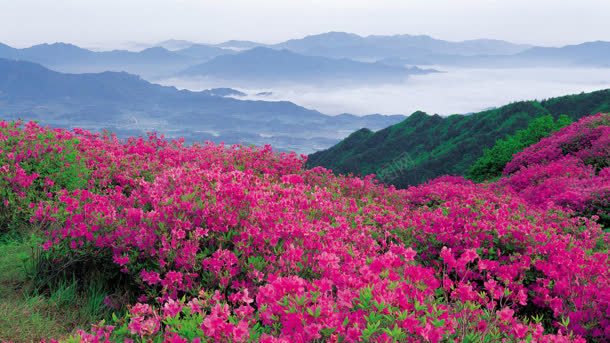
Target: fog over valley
{"x": 454, "y": 90}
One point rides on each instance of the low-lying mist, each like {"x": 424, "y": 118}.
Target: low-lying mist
{"x": 456, "y": 90}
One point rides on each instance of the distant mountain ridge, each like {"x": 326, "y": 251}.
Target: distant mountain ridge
{"x": 399, "y": 50}
{"x": 150, "y": 62}
{"x": 129, "y": 105}
{"x": 223, "y": 92}
{"x": 169, "y": 57}
{"x": 240, "y": 45}
{"x": 175, "y": 44}
{"x": 349, "y": 45}
{"x": 272, "y": 65}
{"x": 590, "y": 54}
{"x": 203, "y": 52}
{"x": 423, "y": 146}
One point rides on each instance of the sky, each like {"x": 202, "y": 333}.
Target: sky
{"x": 113, "y": 23}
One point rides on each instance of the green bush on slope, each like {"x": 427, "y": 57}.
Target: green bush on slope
{"x": 490, "y": 165}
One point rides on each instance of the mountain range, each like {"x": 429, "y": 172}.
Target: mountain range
{"x": 589, "y": 54}
{"x": 129, "y": 105}
{"x": 323, "y": 56}
{"x": 423, "y": 146}
{"x": 349, "y": 45}
{"x": 425, "y": 50}
{"x": 150, "y": 62}
{"x": 175, "y": 44}
{"x": 240, "y": 45}
{"x": 265, "y": 65}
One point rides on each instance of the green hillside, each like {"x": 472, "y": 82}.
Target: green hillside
{"x": 426, "y": 146}
{"x": 491, "y": 164}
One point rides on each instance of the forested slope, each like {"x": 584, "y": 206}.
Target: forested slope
{"x": 426, "y": 146}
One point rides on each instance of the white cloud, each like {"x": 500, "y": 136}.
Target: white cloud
{"x": 456, "y": 91}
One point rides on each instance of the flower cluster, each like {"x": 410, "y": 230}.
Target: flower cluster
{"x": 570, "y": 168}
{"x": 236, "y": 244}
{"x": 35, "y": 162}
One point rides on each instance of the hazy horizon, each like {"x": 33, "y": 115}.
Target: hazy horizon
{"x": 115, "y": 24}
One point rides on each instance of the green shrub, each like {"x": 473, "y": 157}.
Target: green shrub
{"x": 489, "y": 166}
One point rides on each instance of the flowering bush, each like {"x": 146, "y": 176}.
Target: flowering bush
{"x": 236, "y": 244}
{"x": 34, "y": 164}
{"x": 570, "y": 169}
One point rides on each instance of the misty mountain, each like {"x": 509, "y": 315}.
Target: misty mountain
{"x": 400, "y": 50}
{"x": 240, "y": 45}
{"x": 283, "y": 66}
{"x": 129, "y": 105}
{"x": 318, "y": 58}
{"x": 590, "y": 53}
{"x": 203, "y": 52}
{"x": 175, "y": 44}
{"x": 6, "y": 50}
{"x": 151, "y": 62}
{"x": 27, "y": 81}
{"x": 223, "y": 92}
{"x": 349, "y": 45}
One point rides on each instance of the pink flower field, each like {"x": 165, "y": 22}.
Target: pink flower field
{"x": 242, "y": 244}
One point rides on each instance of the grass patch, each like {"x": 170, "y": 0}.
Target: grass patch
{"x": 27, "y": 314}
